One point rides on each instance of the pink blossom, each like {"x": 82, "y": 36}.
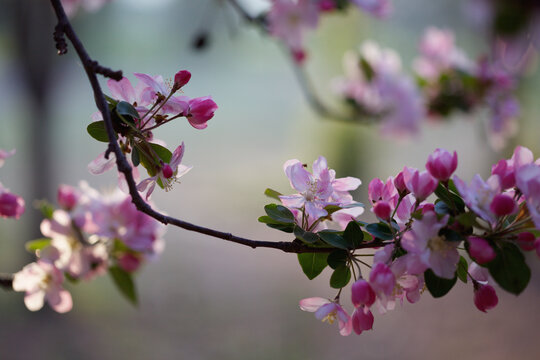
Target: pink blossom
{"x": 344, "y": 216}
{"x": 181, "y": 78}
{"x": 200, "y": 110}
{"x": 362, "y": 293}
{"x": 382, "y": 191}
{"x": 479, "y": 195}
{"x": 506, "y": 169}
{"x": 502, "y": 205}
{"x": 399, "y": 183}
{"x": 378, "y": 8}
{"x": 382, "y": 281}
{"x": 362, "y": 319}
{"x": 67, "y": 196}
{"x": 328, "y": 311}
{"x": 382, "y": 210}
{"x": 167, "y": 174}
{"x": 480, "y": 250}
{"x": 11, "y": 205}
{"x": 4, "y": 155}
{"x": 432, "y": 249}
{"x": 420, "y": 184}
{"x": 42, "y": 281}
{"x": 528, "y": 181}
{"x": 441, "y": 164}
{"x": 485, "y": 297}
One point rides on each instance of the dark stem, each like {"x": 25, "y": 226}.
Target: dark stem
{"x": 6, "y": 281}
{"x": 125, "y": 168}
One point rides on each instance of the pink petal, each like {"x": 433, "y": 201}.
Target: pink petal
{"x": 99, "y": 165}
{"x": 313, "y": 304}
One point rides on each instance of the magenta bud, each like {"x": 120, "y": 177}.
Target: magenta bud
{"x": 526, "y": 241}
{"x": 181, "y": 78}
{"x": 382, "y": 209}
{"x": 399, "y": 183}
{"x": 362, "y": 319}
{"x": 502, "y": 205}
{"x": 480, "y": 250}
{"x": 427, "y": 208}
{"x": 67, "y": 197}
{"x": 441, "y": 164}
{"x": 167, "y": 171}
{"x": 362, "y": 293}
{"x": 485, "y": 297}
{"x": 11, "y": 205}
{"x": 129, "y": 262}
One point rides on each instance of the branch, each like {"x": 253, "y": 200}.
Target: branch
{"x": 92, "y": 69}
{"x": 6, "y": 281}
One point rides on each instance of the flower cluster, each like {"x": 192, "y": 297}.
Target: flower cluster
{"x": 89, "y": 235}
{"x": 446, "y": 81}
{"x": 136, "y": 112}
{"x": 289, "y": 20}
{"x": 423, "y": 244}
{"x": 11, "y": 205}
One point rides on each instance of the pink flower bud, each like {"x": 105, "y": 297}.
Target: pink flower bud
{"x": 383, "y": 210}
{"x": 362, "y": 293}
{"x": 67, "y": 197}
{"x": 381, "y": 279}
{"x": 506, "y": 174}
{"x": 399, "y": 183}
{"x": 181, "y": 78}
{"x": 167, "y": 171}
{"x": 441, "y": 164}
{"x": 11, "y": 205}
{"x": 326, "y": 5}
{"x": 526, "y": 241}
{"x": 480, "y": 250}
{"x": 420, "y": 184}
{"x": 485, "y": 297}
{"x": 362, "y": 319}
{"x": 200, "y": 111}
{"x": 502, "y": 205}
{"x": 429, "y": 207}
{"x": 129, "y": 262}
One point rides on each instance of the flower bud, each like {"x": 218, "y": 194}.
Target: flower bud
{"x": 167, "y": 171}
{"x": 382, "y": 209}
{"x": 200, "y": 111}
{"x": 485, "y": 297}
{"x": 362, "y": 319}
{"x": 362, "y": 293}
{"x": 480, "y": 250}
{"x": 526, "y": 241}
{"x": 420, "y": 184}
{"x": 181, "y": 78}
{"x": 67, "y": 197}
{"x": 11, "y": 205}
{"x": 399, "y": 183}
{"x": 429, "y": 207}
{"x": 441, "y": 164}
{"x": 502, "y": 205}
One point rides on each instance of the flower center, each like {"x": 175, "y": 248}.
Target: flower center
{"x": 439, "y": 244}
{"x": 330, "y": 318}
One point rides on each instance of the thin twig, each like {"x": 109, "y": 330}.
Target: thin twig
{"x": 6, "y": 281}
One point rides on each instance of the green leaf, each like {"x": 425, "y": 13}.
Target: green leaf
{"x": 337, "y": 258}
{"x": 437, "y": 286}
{"x": 162, "y": 152}
{"x": 98, "y": 131}
{"x": 450, "y": 196}
{"x": 305, "y": 236}
{"x": 312, "y": 263}
{"x": 332, "y": 237}
{"x": 288, "y": 228}
{"x": 367, "y": 69}
{"x": 442, "y": 208}
{"x": 124, "y": 283}
{"x": 124, "y": 108}
{"x": 272, "y": 193}
{"x": 46, "y": 208}
{"x": 509, "y": 268}
{"x": 37, "y": 244}
{"x": 135, "y": 159}
{"x": 462, "y": 269}
{"x": 380, "y": 230}
{"x": 111, "y": 101}
{"x": 353, "y": 234}
{"x": 340, "y": 277}
{"x": 466, "y": 219}
{"x": 279, "y": 213}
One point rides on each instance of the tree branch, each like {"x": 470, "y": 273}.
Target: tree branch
{"x": 91, "y": 68}
{"x": 6, "y": 281}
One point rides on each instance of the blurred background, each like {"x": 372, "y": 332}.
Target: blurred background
{"x": 205, "y": 298}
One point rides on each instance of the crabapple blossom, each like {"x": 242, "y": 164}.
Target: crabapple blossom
{"x": 362, "y": 319}
{"x": 42, "y": 281}
{"x": 420, "y": 183}
{"x": 480, "y": 250}
{"x": 362, "y": 293}
{"x": 485, "y": 297}
{"x": 528, "y": 182}
{"x": 67, "y": 197}
{"x": 382, "y": 281}
{"x": 441, "y": 164}
{"x": 479, "y": 195}
{"x": 11, "y": 205}
{"x": 199, "y": 111}
{"x": 328, "y": 311}
{"x": 506, "y": 169}
{"x": 502, "y": 205}
{"x": 181, "y": 78}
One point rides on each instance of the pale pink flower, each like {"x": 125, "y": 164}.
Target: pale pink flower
{"x": 167, "y": 174}
{"x": 42, "y": 281}
{"x": 382, "y": 191}
{"x": 420, "y": 183}
{"x": 328, "y": 311}
{"x": 382, "y": 281}
{"x": 441, "y": 164}
{"x": 432, "y": 249}
{"x": 506, "y": 169}
{"x": 528, "y": 181}
{"x": 479, "y": 195}
{"x": 378, "y": 8}
{"x": 4, "y": 155}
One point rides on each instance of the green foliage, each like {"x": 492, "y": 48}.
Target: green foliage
{"x": 340, "y": 277}
{"x": 380, "y": 230}
{"x": 272, "y": 194}
{"x": 38, "y": 244}
{"x": 124, "y": 283}
{"x": 337, "y": 258}
{"x": 305, "y": 236}
{"x": 437, "y": 286}
{"x": 334, "y": 238}
{"x": 509, "y": 268}
{"x": 98, "y": 131}
{"x": 312, "y": 263}
{"x": 279, "y": 217}
{"x": 353, "y": 234}
{"x": 462, "y": 269}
